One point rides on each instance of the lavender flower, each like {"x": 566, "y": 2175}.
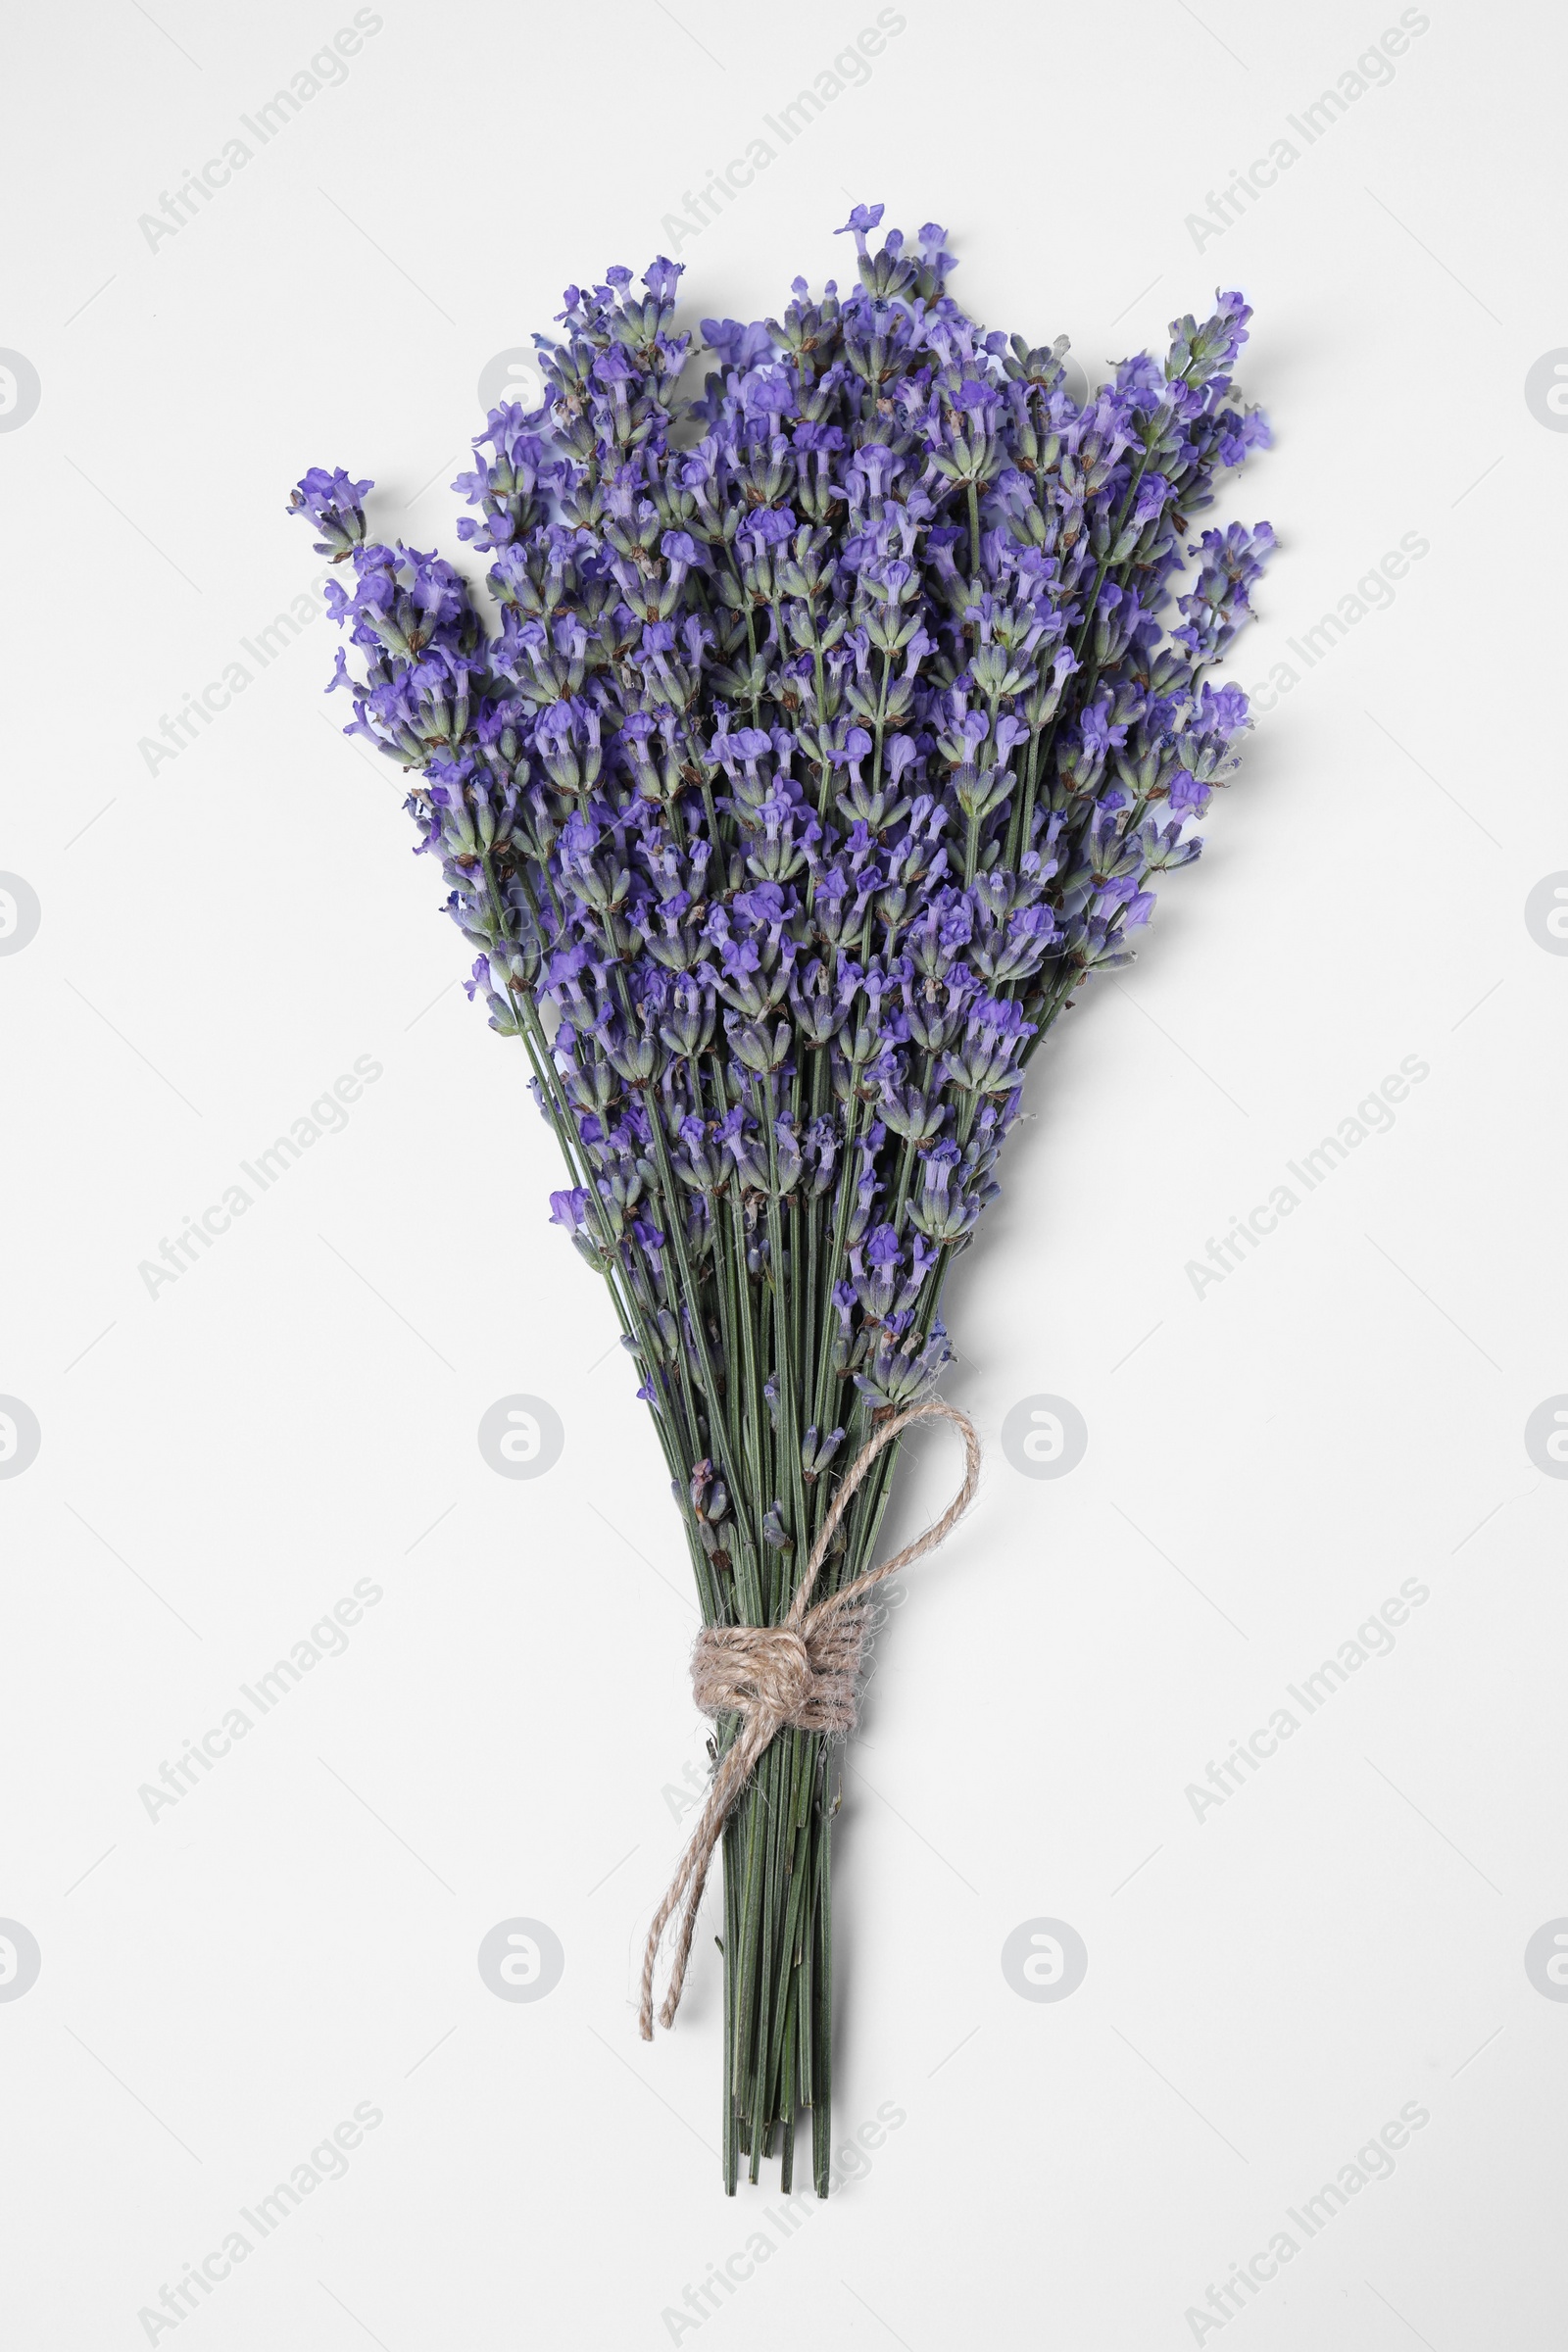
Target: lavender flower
{"x": 833, "y": 733}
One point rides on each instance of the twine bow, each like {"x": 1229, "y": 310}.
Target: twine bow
{"x": 801, "y": 1672}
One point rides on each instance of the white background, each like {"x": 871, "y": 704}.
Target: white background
{"x": 222, "y": 1984}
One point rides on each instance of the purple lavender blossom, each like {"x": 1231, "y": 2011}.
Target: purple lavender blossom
{"x": 833, "y": 732}
{"x": 816, "y": 762}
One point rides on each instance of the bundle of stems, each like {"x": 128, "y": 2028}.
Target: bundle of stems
{"x": 834, "y": 727}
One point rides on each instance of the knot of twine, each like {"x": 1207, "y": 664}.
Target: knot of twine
{"x": 802, "y": 1672}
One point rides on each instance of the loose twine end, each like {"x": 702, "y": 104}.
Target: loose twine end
{"x": 803, "y": 1672}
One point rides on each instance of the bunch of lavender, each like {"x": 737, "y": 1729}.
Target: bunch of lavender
{"x": 835, "y": 727}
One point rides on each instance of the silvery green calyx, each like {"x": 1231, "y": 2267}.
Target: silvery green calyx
{"x": 834, "y": 731}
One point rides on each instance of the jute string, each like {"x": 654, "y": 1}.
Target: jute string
{"x": 803, "y": 1672}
